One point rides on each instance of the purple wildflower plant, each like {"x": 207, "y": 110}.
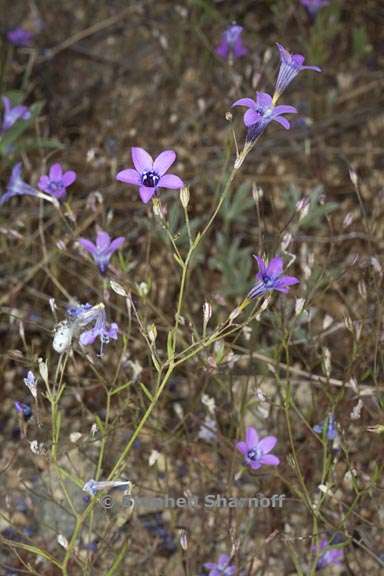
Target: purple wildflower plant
{"x": 149, "y": 174}
{"x": 56, "y": 183}
{"x": 261, "y": 112}
{"x": 103, "y": 250}
{"x": 313, "y": 6}
{"x": 232, "y": 43}
{"x": 16, "y": 186}
{"x": 18, "y": 36}
{"x": 329, "y": 556}
{"x": 256, "y": 450}
{"x": 290, "y": 66}
{"x": 12, "y": 115}
{"x": 328, "y": 427}
{"x": 220, "y": 568}
{"x": 270, "y": 277}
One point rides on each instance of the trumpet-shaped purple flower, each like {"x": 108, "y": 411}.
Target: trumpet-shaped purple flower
{"x": 329, "y": 425}
{"x": 270, "y": 277}
{"x": 16, "y": 186}
{"x": 102, "y": 251}
{"x": 12, "y": 115}
{"x": 232, "y": 43}
{"x": 150, "y": 175}
{"x": 330, "y": 556}
{"x": 256, "y": 451}
{"x": 290, "y": 66}
{"x": 19, "y": 36}
{"x": 262, "y": 112}
{"x": 313, "y": 6}
{"x": 220, "y": 568}
{"x": 24, "y": 409}
{"x": 57, "y": 182}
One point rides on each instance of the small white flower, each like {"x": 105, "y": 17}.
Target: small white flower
{"x": 62, "y": 541}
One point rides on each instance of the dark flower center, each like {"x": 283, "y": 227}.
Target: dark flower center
{"x": 253, "y": 454}
{"x": 268, "y": 281}
{"x": 150, "y": 179}
{"x": 55, "y": 186}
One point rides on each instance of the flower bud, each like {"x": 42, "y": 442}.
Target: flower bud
{"x": 184, "y": 196}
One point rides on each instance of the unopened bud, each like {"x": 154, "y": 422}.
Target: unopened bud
{"x": 207, "y": 313}
{"x": 152, "y": 333}
{"x": 257, "y": 193}
{"x": 183, "y": 539}
{"x": 299, "y": 305}
{"x": 184, "y": 196}
{"x": 302, "y": 206}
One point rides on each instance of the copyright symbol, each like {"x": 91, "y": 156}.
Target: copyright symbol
{"x": 106, "y": 502}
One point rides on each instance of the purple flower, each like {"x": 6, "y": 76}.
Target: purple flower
{"x": 290, "y": 66}
{"x": 313, "y": 6}
{"x": 256, "y": 452}
{"x": 24, "y": 409}
{"x": 19, "y": 36}
{"x": 101, "y": 328}
{"x": 150, "y": 175}
{"x": 232, "y": 43}
{"x": 330, "y": 426}
{"x": 221, "y": 568}
{"x": 16, "y": 186}
{"x": 103, "y": 250}
{"x": 270, "y": 277}
{"x": 262, "y": 112}
{"x": 331, "y": 556}
{"x": 57, "y": 182}
{"x": 12, "y": 115}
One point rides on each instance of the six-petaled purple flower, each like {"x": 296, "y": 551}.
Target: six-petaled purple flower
{"x": 19, "y": 36}
{"x": 16, "y": 186}
{"x": 290, "y": 66}
{"x": 329, "y": 426}
{"x": 262, "y": 112}
{"x": 232, "y": 43}
{"x": 220, "y": 568}
{"x": 313, "y": 6}
{"x": 330, "y": 556}
{"x": 256, "y": 451}
{"x": 12, "y": 115}
{"x": 57, "y": 182}
{"x": 270, "y": 277}
{"x": 103, "y": 249}
{"x": 150, "y": 175}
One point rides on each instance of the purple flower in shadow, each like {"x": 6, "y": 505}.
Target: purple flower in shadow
{"x": 256, "y": 451}
{"x": 313, "y": 6}
{"x": 19, "y": 36}
{"x": 12, "y": 115}
{"x": 57, "y": 182}
{"x": 221, "y": 567}
{"x": 290, "y": 66}
{"x": 150, "y": 175}
{"x": 262, "y": 112}
{"x": 330, "y": 556}
{"x": 16, "y": 186}
{"x": 270, "y": 277}
{"x": 102, "y": 251}
{"x": 24, "y": 409}
{"x": 329, "y": 425}
{"x": 232, "y": 43}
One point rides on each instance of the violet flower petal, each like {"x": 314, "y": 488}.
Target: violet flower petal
{"x": 141, "y": 159}
{"x": 164, "y": 161}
